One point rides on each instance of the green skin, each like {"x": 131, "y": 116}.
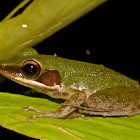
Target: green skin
{"x": 87, "y": 88}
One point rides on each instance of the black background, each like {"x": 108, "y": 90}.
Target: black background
{"x": 110, "y": 33}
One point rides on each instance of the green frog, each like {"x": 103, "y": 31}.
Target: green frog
{"x": 86, "y": 88}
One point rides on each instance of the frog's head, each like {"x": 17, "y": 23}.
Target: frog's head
{"x": 28, "y": 68}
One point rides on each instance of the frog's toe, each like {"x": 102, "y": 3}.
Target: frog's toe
{"x": 30, "y": 108}
{"x": 27, "y": 108}
{"x": 31, "y": 118}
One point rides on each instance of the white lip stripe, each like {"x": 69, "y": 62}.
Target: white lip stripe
{"x": 26, "y": 82}
{"x": 35, "y": 83}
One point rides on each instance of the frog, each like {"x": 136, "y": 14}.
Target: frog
{"x": 87, "y": 89}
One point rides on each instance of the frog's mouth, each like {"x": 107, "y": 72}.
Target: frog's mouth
{"x": 39, "y": 84}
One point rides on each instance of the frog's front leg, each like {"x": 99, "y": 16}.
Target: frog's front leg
{"x": 64, "y": 111}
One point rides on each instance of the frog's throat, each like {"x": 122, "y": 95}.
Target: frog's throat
{"x": 28, "y": 82}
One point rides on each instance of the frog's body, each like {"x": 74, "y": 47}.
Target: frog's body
{"x": 103, "y": 91}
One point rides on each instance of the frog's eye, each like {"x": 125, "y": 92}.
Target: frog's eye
{"x": 31, "y": 69}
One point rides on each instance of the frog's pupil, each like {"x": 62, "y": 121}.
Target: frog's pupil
{"x": 30, "y": 69}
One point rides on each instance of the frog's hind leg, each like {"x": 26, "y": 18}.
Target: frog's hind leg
{"x": 115, "y": 101}
{"x": 121, "y": 112}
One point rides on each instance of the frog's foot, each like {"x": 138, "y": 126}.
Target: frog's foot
{"x": 30, "y": 108}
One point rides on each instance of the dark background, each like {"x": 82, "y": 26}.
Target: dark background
{"x": 110, "y": 33}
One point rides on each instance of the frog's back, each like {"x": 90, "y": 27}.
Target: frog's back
{"x": 89, "y": 76}
{"x": 97, "y": 77}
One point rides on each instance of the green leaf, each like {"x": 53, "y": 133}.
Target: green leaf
{"x": 38, "y": 21}
{"x": 13, "y": 118}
